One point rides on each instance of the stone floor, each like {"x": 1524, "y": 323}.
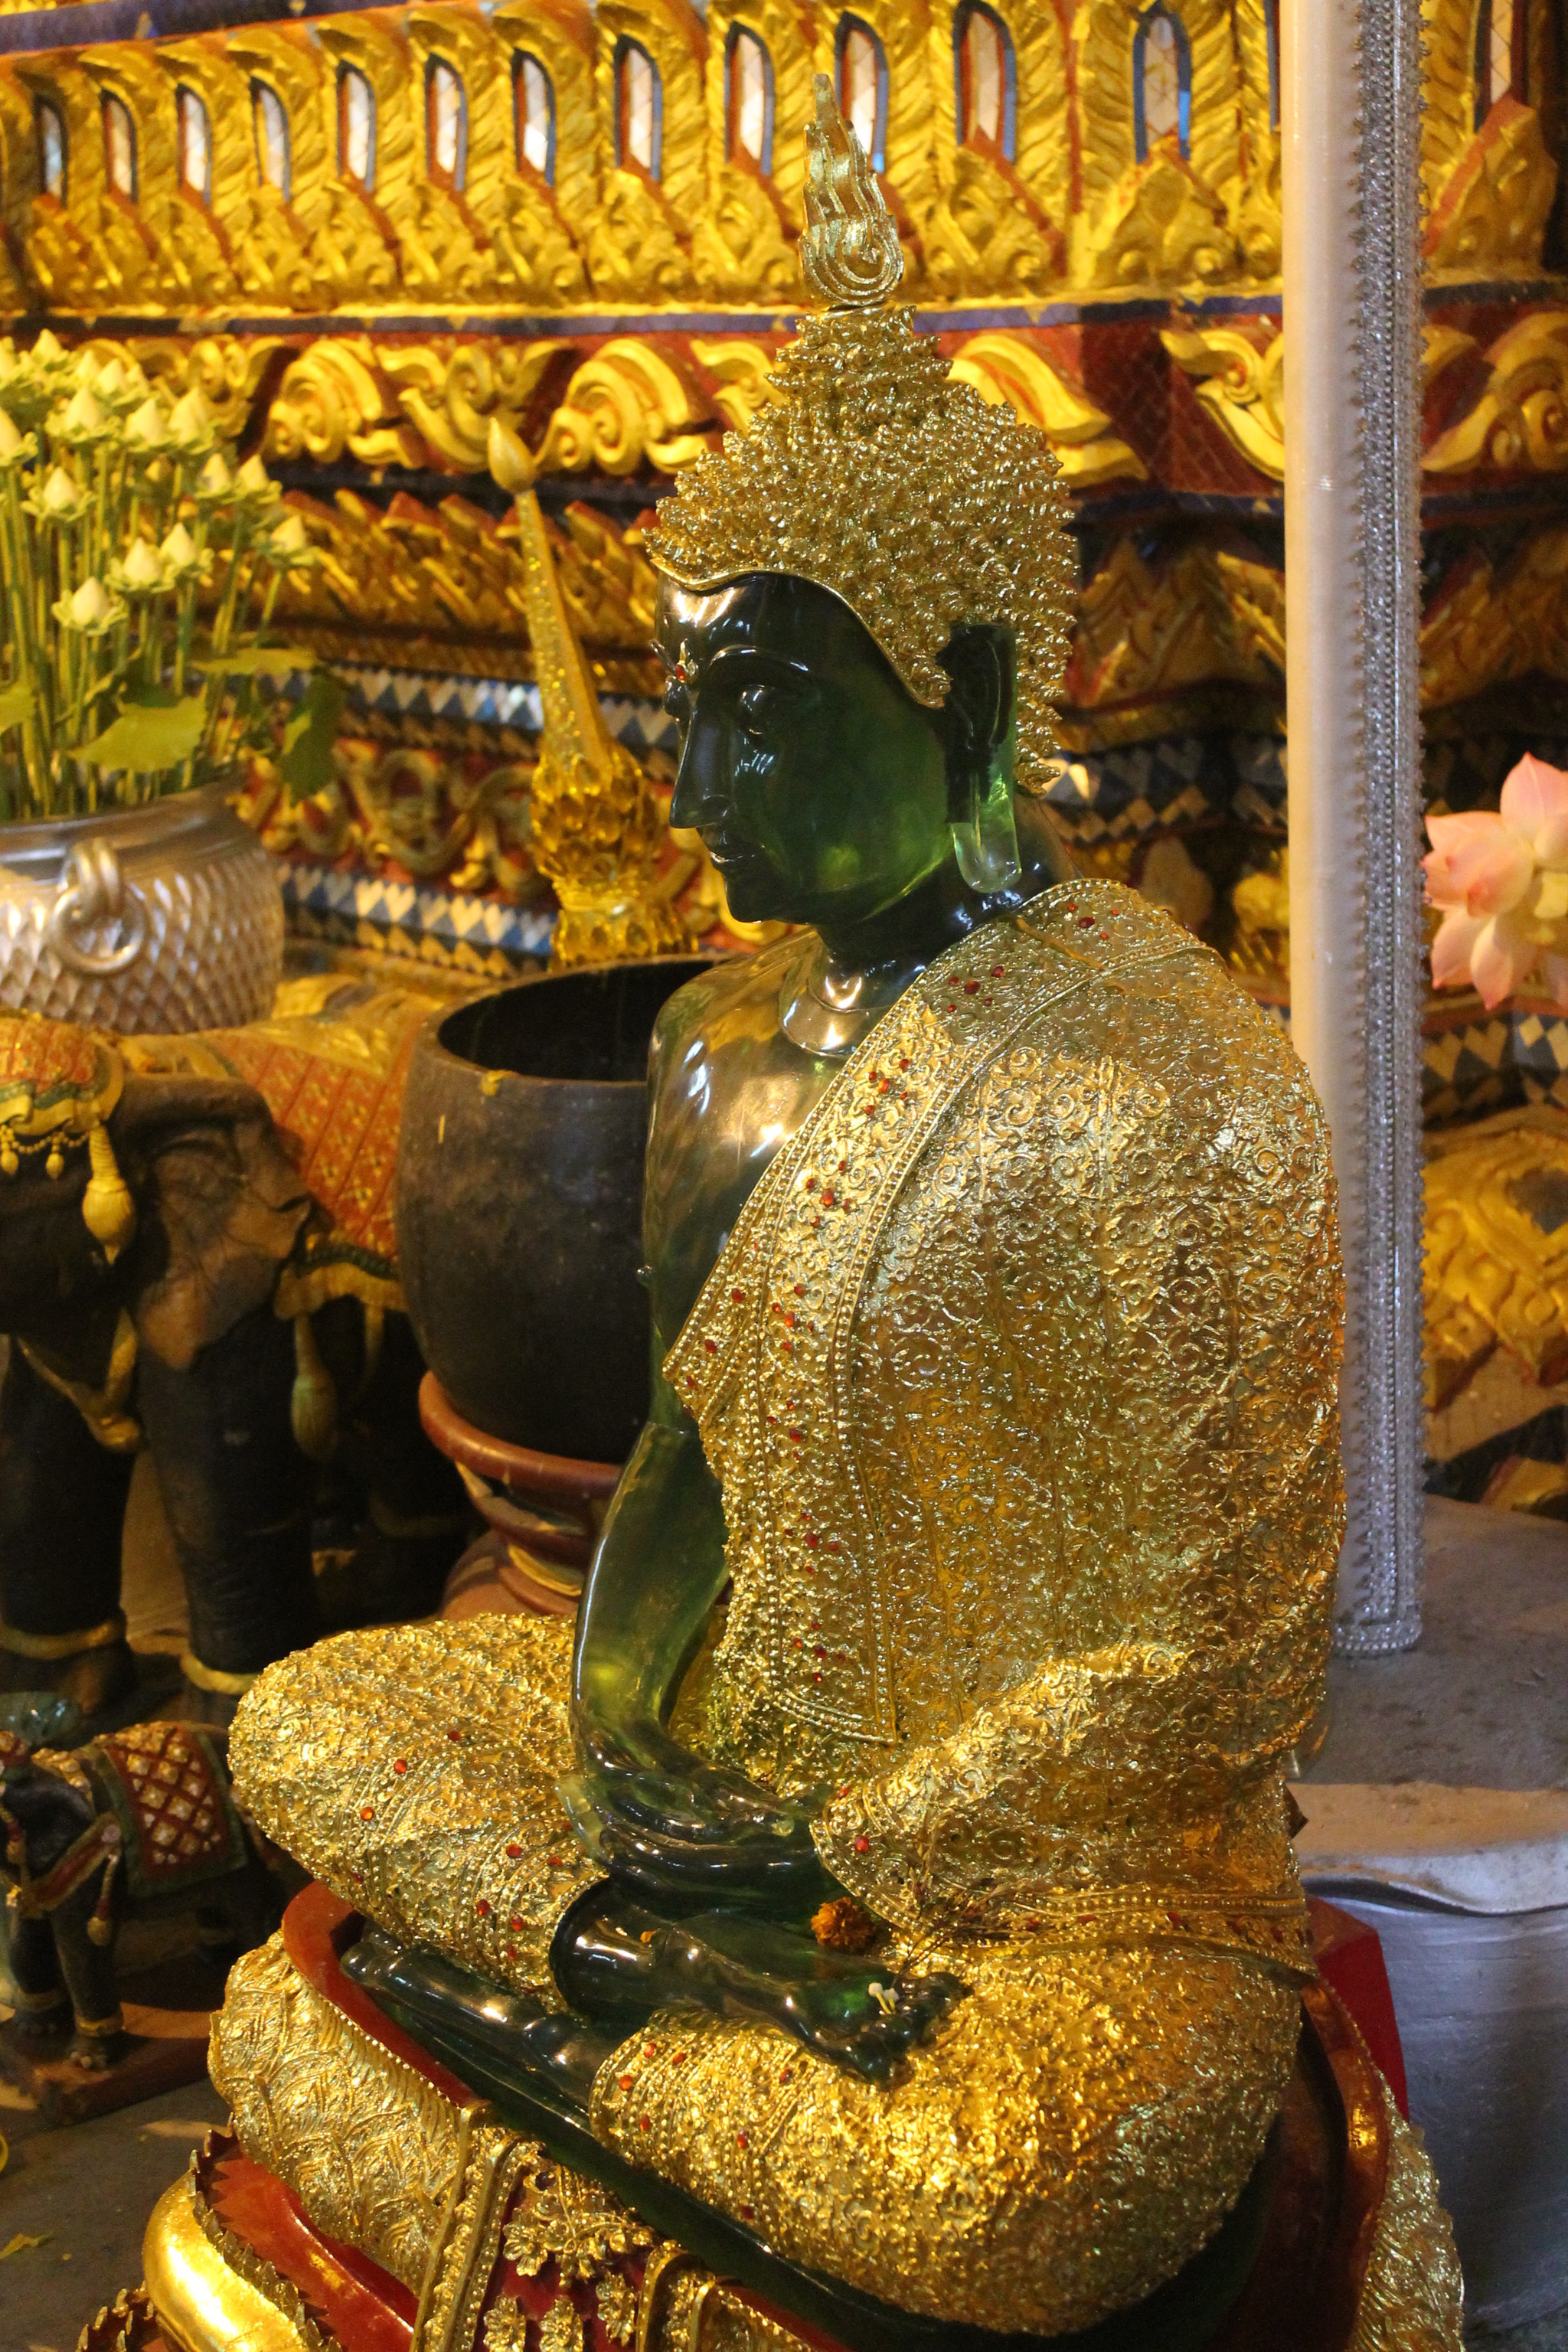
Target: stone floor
{"x": 73, "y": 2203}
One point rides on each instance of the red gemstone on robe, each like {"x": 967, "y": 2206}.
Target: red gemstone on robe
{"x": 401, "y": 1765}
{"x": 862, "y": 1845}
{"x": 514, "y": 1851}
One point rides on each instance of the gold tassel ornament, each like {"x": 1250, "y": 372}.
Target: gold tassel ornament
{"x": 313, "y": 1404}
{"x": 107, "y": 1210}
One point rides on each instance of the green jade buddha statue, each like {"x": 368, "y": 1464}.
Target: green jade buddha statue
{"x": 897, "y": 1865}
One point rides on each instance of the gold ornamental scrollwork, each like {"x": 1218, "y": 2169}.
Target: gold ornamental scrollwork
{"x": 1242, "y": 385}
{"x": 1521, "y": 419}
{"x": 1008, "y": 367}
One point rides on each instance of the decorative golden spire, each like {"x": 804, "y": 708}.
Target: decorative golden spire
{"x": 597, "y": 825}
{"x": 849, "y": 253}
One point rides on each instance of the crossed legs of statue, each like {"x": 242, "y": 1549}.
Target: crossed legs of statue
{"x": 1078, "y": 2114}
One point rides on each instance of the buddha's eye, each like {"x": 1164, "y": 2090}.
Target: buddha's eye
{"x": 762, "y": 707}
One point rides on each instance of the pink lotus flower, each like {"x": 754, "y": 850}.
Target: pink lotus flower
{"x": 1502, "y": 882}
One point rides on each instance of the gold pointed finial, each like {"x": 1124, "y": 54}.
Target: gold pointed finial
{"x": 849, "y": 255}
{"x": 598, "y": 830}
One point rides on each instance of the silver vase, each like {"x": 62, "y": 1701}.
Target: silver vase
{"x": 156, "y": 918}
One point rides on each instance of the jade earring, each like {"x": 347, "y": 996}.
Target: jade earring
{"x": 986, "y": 839}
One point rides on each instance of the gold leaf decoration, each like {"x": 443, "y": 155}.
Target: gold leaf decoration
{"x": 1242, "y": 384}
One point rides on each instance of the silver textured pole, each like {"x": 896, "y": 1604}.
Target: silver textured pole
{"x": 1351, "y": 105}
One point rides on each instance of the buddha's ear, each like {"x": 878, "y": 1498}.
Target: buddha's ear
{"x": 978, "y": 659}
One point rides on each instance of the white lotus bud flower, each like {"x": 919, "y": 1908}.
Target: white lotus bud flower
{"x": 63, "y": 502}
{"x": 109, "y": 384}
{"x": 144, "y": 566}
{"x": 91, "y": 605}
{"x": 214, "y": 480}
{"x": 146, "y": 430}
{"x": 10, "y": 439}
{"x": 179, "y": 549}
{"x": 254, "y": 480}
{"x": 84, "y": 420}
{"x": 193, "y": 425}
{"x": 47, "y": 352}
{"x": 288, "y": 542}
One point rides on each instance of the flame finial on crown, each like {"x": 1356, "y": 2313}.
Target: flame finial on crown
{"x": 849, "y": 253}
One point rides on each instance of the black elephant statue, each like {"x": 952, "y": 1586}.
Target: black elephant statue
{"x": 140, "y": 1823}
{"x": 198, "y": 1256}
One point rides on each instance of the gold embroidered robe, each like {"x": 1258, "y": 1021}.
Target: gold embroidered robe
{"x": 1018, "y": 1372}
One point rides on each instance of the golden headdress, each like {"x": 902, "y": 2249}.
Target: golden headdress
{"x": 875, "y": 475}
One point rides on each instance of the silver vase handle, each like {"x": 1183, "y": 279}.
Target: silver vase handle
{"x": 95, "y": 891}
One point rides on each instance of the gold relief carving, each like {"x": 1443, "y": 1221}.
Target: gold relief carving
{"x": 1483, "y": 626}
{"x": 1255, "y": 594}
{"x": 741, "y": 248}
{"x": 788, "y": 31}
{"x": 1242, "y": 384}
{"x": 1492, "y": 212}
{"x": 994, "y": 226}
{"x": 1496, "y": 1254}
{"x": 332, "y": 399}
{"x": 1163, "y": 227}
{"x": 91, "y": 250}
{"x": 639, "y": 248}
{"x": 425, "y": 573}
{"x": 1142, "y": 632}
{"x": 1260, "y": 945}
{"x": 559, "y": 34}
{"x": 627, "y": 406}
{"x": 985, "y": 235}
{"x": 1007, "y": 367}
{"x": 450, "y": 396}
{"x": 636, "y": 254}
{"x": 361, "y": 224}
{"x": 1256, "y": 200}
{"x": 742, "y": 376}
{"x": 502, "y": 235}
{"x": 18, "y": 185}
{"x": 743, "y": 245}
{"x": 1164, "y": 220}
{"x": 1522, "y": 416}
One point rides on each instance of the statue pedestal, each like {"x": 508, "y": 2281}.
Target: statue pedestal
{"x": 1438, "y": 1811}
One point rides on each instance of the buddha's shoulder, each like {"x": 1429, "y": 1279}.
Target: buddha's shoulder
{"x": 735, "y": 1002}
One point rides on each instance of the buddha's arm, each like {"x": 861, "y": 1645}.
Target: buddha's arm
{"x": 1111, "y": 1735}
{"x": 669, "y": 1822}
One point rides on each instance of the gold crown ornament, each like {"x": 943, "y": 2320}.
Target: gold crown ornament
{"x": 919, "y": 505}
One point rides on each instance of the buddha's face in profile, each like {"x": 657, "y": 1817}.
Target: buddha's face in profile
{"x": 820, "y": 785}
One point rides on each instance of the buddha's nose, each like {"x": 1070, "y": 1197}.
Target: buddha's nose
{"x": 701, "y": 796}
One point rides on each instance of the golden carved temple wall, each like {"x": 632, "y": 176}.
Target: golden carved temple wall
{"x": 1087, "y": 150}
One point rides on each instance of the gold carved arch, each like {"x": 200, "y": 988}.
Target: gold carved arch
{"x": 285, "y": 57}
{"x": 904, "y": 29}
{"x": 743, "y": 246}
{"x": 1165, "y": 221}
{"x": 91, "y": 250}
{"x": 559, "y": 34}
{"x": 640, "y": 247}
{"x": 18, "y": 186}
{"x": 1489, "y": 187}
{"x": 998, "y": 226}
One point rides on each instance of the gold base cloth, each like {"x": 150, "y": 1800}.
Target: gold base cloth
{"x": 375, "y": 2153}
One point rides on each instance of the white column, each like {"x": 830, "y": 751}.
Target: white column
{"x": 1350, "y": 117}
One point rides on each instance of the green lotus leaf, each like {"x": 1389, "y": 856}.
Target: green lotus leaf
{"x": 306, "y": 764}
{"x": 250, "y": 661}
{"x": 153, "y": 731}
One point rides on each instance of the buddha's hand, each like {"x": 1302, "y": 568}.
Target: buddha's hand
{"x": 862, "y": 2018}
{"x": 670, "y": 1824}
